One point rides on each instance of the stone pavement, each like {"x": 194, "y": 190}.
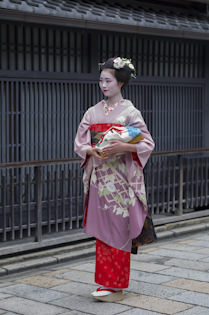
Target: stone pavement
{"x": 168, "y": 277}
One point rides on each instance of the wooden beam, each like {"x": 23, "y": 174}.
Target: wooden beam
{"x": 199, "y": 1}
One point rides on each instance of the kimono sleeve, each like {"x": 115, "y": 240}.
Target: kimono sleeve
{"x": 144, "y": 147}
{"x": 83, "y": 137}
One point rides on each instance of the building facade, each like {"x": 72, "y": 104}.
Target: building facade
{"x": 49, "y": 55}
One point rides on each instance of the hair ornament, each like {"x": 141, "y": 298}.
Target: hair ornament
{"x": 100, "y": 64}
{"x": 119, "y": 63}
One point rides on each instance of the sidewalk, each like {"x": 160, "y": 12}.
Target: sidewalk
{"x": 168, "y": 277}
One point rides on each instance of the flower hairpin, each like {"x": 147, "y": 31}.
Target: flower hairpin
{"x": 100, "y": 64}
{"x": 119, "y": 63}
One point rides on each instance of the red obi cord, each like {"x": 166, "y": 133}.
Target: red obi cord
{"x": 103, "y": 127}
{"x": 112, "y": 266}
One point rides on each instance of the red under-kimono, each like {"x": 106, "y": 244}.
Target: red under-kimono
{"x": 112, "y": 266}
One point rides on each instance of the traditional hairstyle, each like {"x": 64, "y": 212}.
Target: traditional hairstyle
{"x": 123, "y": 69}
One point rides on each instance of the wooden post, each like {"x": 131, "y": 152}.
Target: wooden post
{"x": 4, "y": 185}
{"x": 38, "y": 236}
{"x": 205, "y": 115}
{"x": 181, "y": 180}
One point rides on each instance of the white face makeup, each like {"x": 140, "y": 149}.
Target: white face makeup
{"x": 108, "y": 84}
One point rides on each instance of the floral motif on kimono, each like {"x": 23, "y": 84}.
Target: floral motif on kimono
{"x": 115, "y": 197}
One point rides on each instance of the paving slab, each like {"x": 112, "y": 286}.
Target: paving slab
{"x": 206, "y": 259}
{"x": 186, "y": 241}
{"x": 139, "y": 311}
{"x": 33, "y": 292}
{"x": 195, "y": 311}
{"x": 42, "y": 281}
{"x": 201, "y": 243}
{"x": 185, "y": 273}
{"x": 4, "y": 296}
{"x": 90, "y": 267}
{"x": 178, "y": 254}
{"x": 83, "y": 289}
{"x": 23, "y": 306}
{"x": 154, "y": 304}
{"x": 152, "y": 289}
{"x": 203, "y": 250}
{"x": 5, "y": 284}
{"x": 190, "y": 264}
{"x": 56, "y": 272}
{"x": 142, "y": 266}
{"x": 190, "y": 285}
{"x": 74, "y": 313}
{"x": 89, "y": 305}
{"x": 181, "y": 247}
{"x": 196, "y": 298}
{"x": 150, "y": 277}
{"x": 202, "y": 237}
{"x": 150, "y": 258}
{"x": 79, "y": 276}
{"x": 146, "y": 250}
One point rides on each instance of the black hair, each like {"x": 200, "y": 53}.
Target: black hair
{"x": 122, "y": 75}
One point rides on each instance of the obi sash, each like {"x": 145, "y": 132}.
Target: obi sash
{"x": 98, "y": 130}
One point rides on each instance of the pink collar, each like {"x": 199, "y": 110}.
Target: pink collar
{"x": 107, "y": 108}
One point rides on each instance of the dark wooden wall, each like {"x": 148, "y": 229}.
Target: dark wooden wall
{"x": 49, "y": 77}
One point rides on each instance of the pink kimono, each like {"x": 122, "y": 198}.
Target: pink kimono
{"x": 114, "y": 189}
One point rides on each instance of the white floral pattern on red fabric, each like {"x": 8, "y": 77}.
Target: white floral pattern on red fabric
{"x": 112, "y": 266}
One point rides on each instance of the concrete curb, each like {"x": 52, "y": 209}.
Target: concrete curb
{"x": 51, "y": 257}
{"x": 84, "y": 250}
{"x": 183, "y": 227}
{"x": 44, "y": 262}
{"x": 181, "y": 231}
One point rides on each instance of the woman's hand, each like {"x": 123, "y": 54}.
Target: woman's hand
{"x": 93, "y": 152}
{"x": 117, "y": 146}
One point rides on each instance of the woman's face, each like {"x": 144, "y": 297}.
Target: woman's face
{"x": 108, "y": 84}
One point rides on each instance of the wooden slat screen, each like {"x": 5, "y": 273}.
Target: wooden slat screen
{"x": 153, "y": 57}
{"x": 26, "y": 47}
{"x": 173, "y": 112}
{"x": 42, "y": 48}
{"x": 39, "y": 118}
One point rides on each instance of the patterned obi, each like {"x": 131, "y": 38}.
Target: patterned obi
{"x": 98, "y": 130}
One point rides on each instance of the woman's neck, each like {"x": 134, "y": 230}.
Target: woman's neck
{"x": 114, "y": 99}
